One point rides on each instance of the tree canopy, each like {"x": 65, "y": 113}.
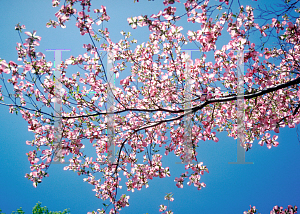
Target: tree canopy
{"x": 168, "y": 103}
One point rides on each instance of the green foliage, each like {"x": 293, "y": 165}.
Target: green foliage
{"x": 37, "y": 209}
{"x": 19, "y": 211}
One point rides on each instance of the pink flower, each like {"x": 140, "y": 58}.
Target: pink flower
{"x": 162, "y": 208}
{"x": 216, "y": 139}
{"x": 261, "y": 142}
{"x": 33, "y": 35}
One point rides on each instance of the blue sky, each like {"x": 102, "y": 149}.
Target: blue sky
{"x": 273, "y": 179}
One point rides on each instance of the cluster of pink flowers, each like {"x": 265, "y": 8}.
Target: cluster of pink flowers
{"x": 279, "y": 210}
{"x": 163, "y": 208}
{"x": 276, "y": 210}
{"x": 144, "y": 116}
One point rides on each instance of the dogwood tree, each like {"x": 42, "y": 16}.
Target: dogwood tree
{"x": 151, "y": 106}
